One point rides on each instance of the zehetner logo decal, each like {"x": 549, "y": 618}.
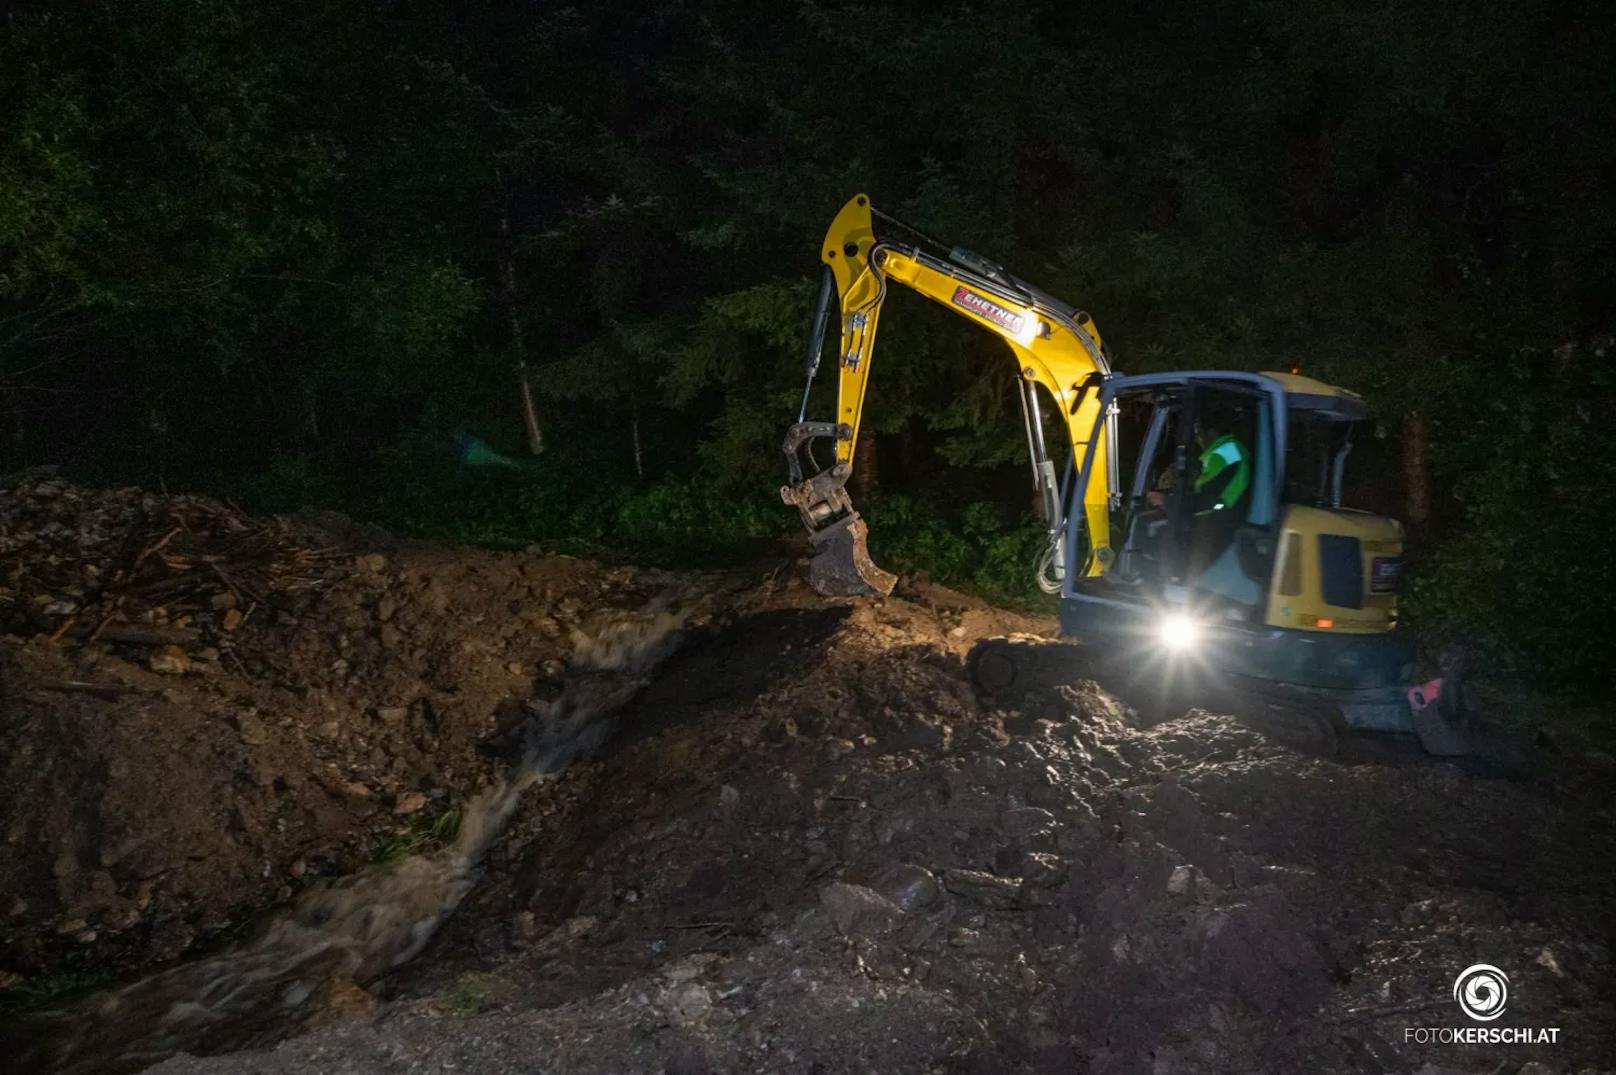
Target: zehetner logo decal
{"x": 983, "y": 306}
{"x": 1482, "y": 993}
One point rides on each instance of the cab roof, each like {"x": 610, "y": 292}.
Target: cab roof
{"x": 1320, "y": 399}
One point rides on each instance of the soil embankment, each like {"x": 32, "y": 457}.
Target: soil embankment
{"x": 805, "y": 843}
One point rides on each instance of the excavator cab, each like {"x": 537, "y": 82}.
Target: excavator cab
{"x": 1198, "y": 508}
{"x": 1232, "y": 547}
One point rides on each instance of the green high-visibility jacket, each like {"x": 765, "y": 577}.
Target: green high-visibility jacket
{"x": 1225, "y": 472}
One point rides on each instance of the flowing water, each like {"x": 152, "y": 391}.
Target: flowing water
{"x": 360, "y": 926}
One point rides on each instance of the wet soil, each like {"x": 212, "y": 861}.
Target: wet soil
{"x": 810, "y": 844}
{"x": 155, "y": 799}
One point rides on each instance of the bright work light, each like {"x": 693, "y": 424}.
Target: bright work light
{"x": 1178, "y": 632}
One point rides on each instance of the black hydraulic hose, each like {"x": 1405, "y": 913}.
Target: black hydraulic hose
{"x": 816, "y": 336}
{"x": 910, "y": 228}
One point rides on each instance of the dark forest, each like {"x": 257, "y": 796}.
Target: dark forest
{"x": 308, "y": 254}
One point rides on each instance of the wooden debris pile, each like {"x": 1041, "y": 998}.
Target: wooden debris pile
{"x": 129, "y": 566}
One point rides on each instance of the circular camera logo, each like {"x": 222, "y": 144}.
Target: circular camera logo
{"x": 1482, "y": 991}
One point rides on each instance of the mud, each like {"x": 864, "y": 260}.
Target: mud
{"x": 806, "y": 843}
{"x": 813, "y": 848}
{"x": 342, "y": 936}
{"x": 154, "y": 803}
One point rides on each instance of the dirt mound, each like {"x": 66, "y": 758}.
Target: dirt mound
{"x": 339, "y": 935}
{"x": 125, "y": 565}
{"x": 204, "y": 712}
{"x": 814, "y": 848}
{"x": 806, "y": 843}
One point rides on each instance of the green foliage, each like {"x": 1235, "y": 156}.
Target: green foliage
{"x": 427, "y": 831}
{"x": 477, "y": 991}
{"x": 575, "y": 502}
{"x": 982, "y": 553}
{"x": 191, "y": 262}
{"x": 1524, "y": 577}
{"x": 287, "y": 252}
{"x": 46, "y": 214}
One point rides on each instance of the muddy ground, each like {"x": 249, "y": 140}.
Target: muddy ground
{"x": 809, "y": 845}
{"x": 156, "y": 797}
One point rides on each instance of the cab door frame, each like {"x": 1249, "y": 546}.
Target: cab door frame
{"x": 1269, "y": 486}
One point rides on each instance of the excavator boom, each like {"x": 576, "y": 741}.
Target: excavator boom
{"x": 1054, "y": 346}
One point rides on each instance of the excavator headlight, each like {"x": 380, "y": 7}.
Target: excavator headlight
{"x": 1178, "y": 632}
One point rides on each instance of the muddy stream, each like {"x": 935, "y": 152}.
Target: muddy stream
{"x": 359, "y": 927}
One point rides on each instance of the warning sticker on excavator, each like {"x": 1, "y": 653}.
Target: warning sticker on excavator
{"x": 983, "y": 306}
{"x": 1384, "y": 573}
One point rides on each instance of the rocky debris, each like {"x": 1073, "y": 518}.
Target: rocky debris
{"x": 1084, "y": 893}
{"x": 1028, "y": 822}
{"x": 814, "y": 845}
{"x": 910, "y": 888}
{"x": 859, "y": 911}
{"x": 142, "y": 568}
{"x": 251, "y": 730}
{"x": 195, "y": 700}
{"x": 686, "y": 1003}
{"x": 409, "y": 802}
{"x": 338, "y": 1000}
{"x": 169, "y": 661}
{"x": 982, "y": 888}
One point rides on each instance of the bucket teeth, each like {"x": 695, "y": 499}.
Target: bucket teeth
{"x": 842, "y": 567}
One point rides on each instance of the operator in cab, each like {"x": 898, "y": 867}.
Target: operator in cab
{"x": 1221, "y": 479}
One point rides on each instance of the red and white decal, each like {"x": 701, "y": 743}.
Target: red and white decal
{"x": 985, "y": 307}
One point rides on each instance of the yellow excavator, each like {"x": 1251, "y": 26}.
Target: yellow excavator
{"x": 1200, "y": 515}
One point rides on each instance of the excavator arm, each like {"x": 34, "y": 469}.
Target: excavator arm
{"x": 1053, "y": 345}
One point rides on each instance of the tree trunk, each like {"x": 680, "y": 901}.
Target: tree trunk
{"x": 513, "y": 315}
{"x": 634, "y": 430}
{"x": 1416, "y": 471}
{"x": 311, "y": 412}
{"x": 18, "y": 422}
{"x": 866, "y": 465}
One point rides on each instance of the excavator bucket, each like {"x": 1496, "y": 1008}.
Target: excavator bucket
{"x": 842, "y": 567}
